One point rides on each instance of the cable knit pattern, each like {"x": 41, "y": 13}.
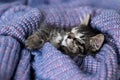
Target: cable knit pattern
{"x": 58, "y": 70}
{"x": 9, "y": 55}
{"x": 21, "y": 26}
{"x": 19, "y": 19}
{"x": 67, "y": 17}
{"x": 23, "y": 69}
{"x": 51, "y": 64}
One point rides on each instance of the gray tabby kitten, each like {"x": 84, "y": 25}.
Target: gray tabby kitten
{"x": 78, "y": 41}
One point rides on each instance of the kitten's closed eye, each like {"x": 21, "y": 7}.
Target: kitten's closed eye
{"x": 71, "y": 35}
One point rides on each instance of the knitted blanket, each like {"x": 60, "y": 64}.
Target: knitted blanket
{"x": 19, "y": 18}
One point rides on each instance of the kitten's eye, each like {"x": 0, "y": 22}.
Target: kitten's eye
{"x": 74, "y": 39}
{"x": 82, "y": 36}
{"x": 69, "y": 37}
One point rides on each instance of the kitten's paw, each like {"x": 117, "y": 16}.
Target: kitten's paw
{"x": 34, "y": 42}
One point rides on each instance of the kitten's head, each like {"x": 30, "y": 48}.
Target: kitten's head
{"x": 82, "y": 40}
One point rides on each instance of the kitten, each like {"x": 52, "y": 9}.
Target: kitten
{"x": 78, "y": 41}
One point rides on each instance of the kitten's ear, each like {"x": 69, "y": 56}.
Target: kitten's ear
{"x": 86, "y": 20}
{"x": 96, "y": 42}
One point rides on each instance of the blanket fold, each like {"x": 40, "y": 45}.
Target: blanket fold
{"x": 9, "y": 56}
{"x": 24, "y": 23}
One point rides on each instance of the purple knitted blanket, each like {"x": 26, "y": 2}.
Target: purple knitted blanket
{"x": 19, "y": 18}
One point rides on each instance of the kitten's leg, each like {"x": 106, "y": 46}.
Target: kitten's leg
{"x": 34, "y": 42}
{"x": 39, "y": 37}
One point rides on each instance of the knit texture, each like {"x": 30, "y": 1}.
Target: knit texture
{"x": 19, "y": 19}
{"x": 23, "y": 69}
{"x": 9, "y": 56}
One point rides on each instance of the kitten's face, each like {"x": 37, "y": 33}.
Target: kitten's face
{"x": 81, "y": 40}
{"x": 71, "y": 40}
{"x": 79, "y": 43}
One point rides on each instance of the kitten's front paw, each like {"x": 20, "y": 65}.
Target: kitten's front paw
{"x": 34, "y": 42}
